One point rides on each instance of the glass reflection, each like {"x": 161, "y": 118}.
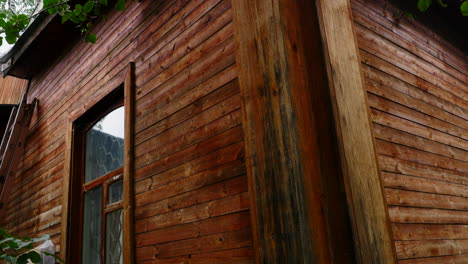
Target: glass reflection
{"x": 92, "y": 226}
{"x": 104, "y": 145}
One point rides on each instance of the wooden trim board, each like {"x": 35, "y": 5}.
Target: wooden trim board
{"x": 372, "y": 233}
{"x": 129, "y": 102}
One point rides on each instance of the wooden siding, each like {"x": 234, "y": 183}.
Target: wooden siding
{"x": 417, "y": 93}
{"x": 191, "y": 198}
{"x": 12, "y": 89}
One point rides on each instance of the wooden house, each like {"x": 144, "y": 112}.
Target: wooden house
{"x": 243, "y": 131}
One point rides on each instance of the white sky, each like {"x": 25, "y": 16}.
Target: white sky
{"x": 113, "y": 123}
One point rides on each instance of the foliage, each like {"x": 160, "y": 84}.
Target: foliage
{"x": 16, "y": 15}
{"x": 423, "y": 5}
{"x": 18, "y": 250}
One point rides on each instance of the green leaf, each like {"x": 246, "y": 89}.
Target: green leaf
{"x": 91, "y": 38}
{"x": 12, "y": 244}
{"x": 52, "y": 10}
{"x": 423, "y": 5}
{"x": 464, "y": 8}
{"x": 77, "y": 10}
{"x": 34, "y": 257}
{"x": 23, "y": 259}
{"x": 120, "y": 5}
{"x": 88, "y": 7}
{"x": 1, "y": 41}
{"x": 74, "y": 18}
{"x": 103, "y": 2}
{"x": 83, "y": 17}
{"x": 22, "y": 17}
{"x": 48, "y": 3}
{"x": 66, "y": 17}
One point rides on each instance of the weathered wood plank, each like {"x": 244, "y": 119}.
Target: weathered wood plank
{"x": 225, "y": 155}
{"x": 223, "y": 241}
{"x": 388, "y": 68}
{"x": 431, "y": 248}
{"x": 281, "y": 75}
{"x": 365, "y": 17}
{"x": 441, "y": 102}
{"x": 427, "y": 200}
{"x": 428, "y": 109}
{"x": 398, "y": 181}
{"x": 417, "y": 33}
{"x": 209, "y": 226}
{"x": 397, "y": 56}
{"x": 429, "y": 216}
{"x": 457, "y": 259}
{"x": 12, "y": 89}
{"x": 370, "y": 219}
{"x": 418, "y": 156}
{"x": 390, "y": 164}
{"x": 429, "y": 232}
{"x": 406, "y": 139}
{"x": 209, "y": 145}
{"x": 217, "y": 204}
{"x": 408, "y": 126}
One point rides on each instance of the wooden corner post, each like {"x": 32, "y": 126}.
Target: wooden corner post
{"x": 372, "y": 233}
{"x": 283, "y": 81}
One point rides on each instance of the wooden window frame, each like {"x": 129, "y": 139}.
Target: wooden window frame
{"x": 73, "y": 182}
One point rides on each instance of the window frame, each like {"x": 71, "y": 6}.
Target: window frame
{"x": 73, "y": 182}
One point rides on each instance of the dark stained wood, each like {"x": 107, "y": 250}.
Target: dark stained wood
{"x": 129, "y": 157}
{"x": 281, "y": 76}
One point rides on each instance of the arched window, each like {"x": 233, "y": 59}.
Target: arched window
{"x": 103, "y": 190}
{"x": 96, "y": 214}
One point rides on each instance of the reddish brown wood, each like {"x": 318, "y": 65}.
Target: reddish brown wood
{"x": 189, "y": 141}
{"x": 417, "y": 84}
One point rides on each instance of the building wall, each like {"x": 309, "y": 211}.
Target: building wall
{"x": 191, "y": 199}
{"x": 418, "y": 98}
{"x": 12, "y": 89}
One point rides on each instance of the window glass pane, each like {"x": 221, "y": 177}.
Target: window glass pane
{"x": 104, "y": 145}
{"x": 114, "y": 237}
{"x": 115, "y": 192}
{"x": 92, "y": 226}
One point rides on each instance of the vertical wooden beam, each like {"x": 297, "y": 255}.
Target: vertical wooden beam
{"x": 283, "y": 82}
{"x": 129, "y": 102}
{"x": 369, "y": 214}
{"x": 66, "y": 194}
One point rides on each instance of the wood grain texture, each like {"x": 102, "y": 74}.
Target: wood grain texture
{"x": 281, "y": 76}
{"x": 372, "y": 232}
{"x": 129, "y": 157}
{"x": 417, "y": 85}
{"x": 12, "y": 89}
{"x": 188, "y": 169}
